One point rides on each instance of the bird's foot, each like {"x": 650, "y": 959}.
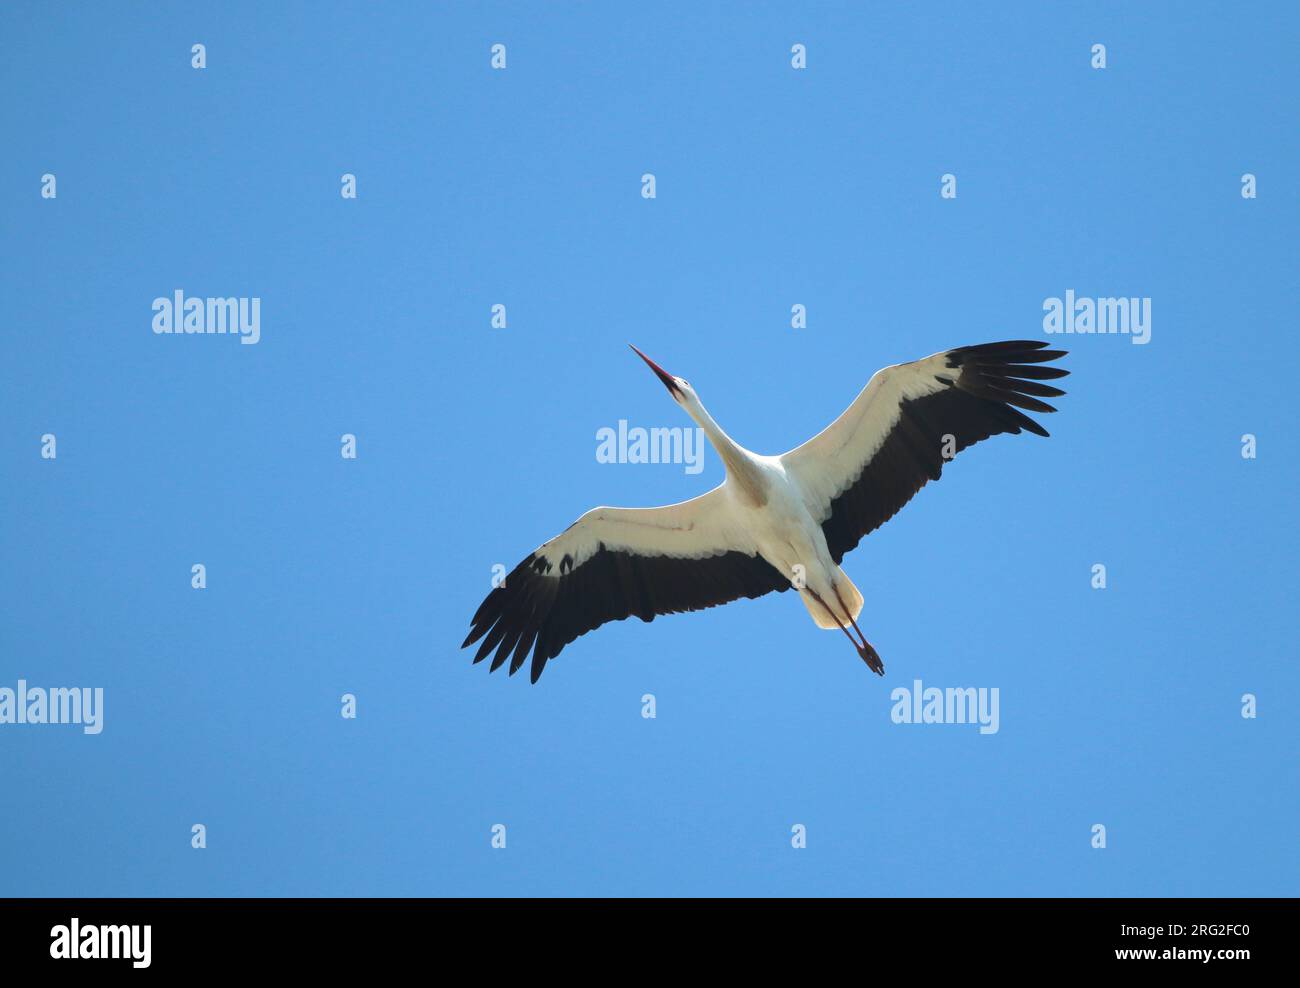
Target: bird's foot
{"x": 871, "y": 658}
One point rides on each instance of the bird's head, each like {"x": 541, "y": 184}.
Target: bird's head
{"x": 679, "y": 388}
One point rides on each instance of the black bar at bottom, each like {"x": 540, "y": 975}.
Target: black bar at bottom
{"x": 338, "y": 936}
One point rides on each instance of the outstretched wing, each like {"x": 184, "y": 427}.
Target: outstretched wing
{"x": 862, "y": 468}
{"x": 613, "y": 563}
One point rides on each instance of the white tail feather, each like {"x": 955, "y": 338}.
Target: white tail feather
{"x": 852, "y": 598}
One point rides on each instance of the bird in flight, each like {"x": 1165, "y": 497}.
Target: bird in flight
{"x": 775, "y": 522}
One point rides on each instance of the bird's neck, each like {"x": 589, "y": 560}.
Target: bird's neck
{"x": 738, "y": 461}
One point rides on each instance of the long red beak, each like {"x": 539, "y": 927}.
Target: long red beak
{"x": 664, "y": 376}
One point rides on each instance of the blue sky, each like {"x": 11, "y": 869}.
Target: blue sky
{"x": 522, "y": 187}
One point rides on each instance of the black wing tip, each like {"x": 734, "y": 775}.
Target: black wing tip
{"x": 1004, "y": 352}
{"x": 501, "y": 634}
{"x": 1009, "y": 373}
{"x": 496, "y": 643}
{"x": 1029, "y": 425}
{"x": 1001, "y": 346}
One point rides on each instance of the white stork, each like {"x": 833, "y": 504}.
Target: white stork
{"x": 775, "y": 521}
